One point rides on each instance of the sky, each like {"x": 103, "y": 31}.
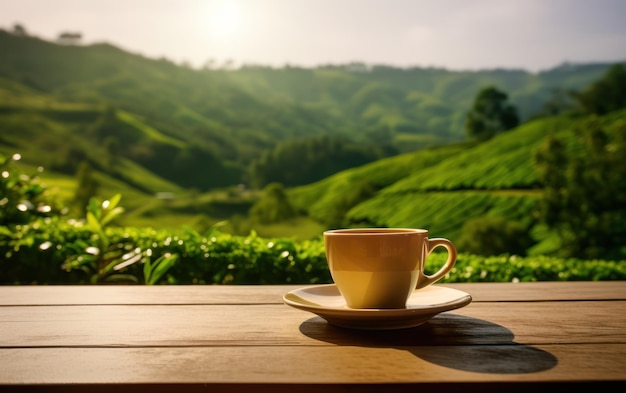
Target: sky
{"x": 533, "y": 35}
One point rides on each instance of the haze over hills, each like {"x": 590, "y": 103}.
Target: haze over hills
{"x": 170, "y": 119}
{"x": 374, "y": 145}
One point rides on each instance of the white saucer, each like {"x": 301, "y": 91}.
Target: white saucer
{"x": 423, "y": 304}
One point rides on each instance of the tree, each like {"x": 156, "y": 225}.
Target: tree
{"x": 562, "y": 101}
{"x": 69, "y": 38}
{"x": 19, "y": 30}
{"x": 335, "y": 215}
{"x": 273, "y": 206}
{"x": 606, "y": 95}
{"x": 491, "y": 114}
{"x": 304, "y": 161}
{"x": 584, "y": 198}
{"x": 23, "y": 197}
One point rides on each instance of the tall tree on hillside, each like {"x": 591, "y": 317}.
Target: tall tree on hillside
{"x": 584, "y": 198}
{"x": 69, "y": 38}
{"x": 561, "y": 102}
{"x": 490, "y": 115}
{"x": 303, "y": 161}
{"x": 606, "y": 95}
{"x": 19, "y": 30}
{"x": 273, "y": 206}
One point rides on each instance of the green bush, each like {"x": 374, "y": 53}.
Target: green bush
{"x": 57, "y": 251}
{"x": 513, "y": 268}
{"x": 494, "y": 236}
{"x": 47, "y": 251}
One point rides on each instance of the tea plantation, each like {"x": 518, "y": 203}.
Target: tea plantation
{"x": 39, "y": 244}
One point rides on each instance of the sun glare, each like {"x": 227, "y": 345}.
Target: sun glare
{"x": 225, "y": 19}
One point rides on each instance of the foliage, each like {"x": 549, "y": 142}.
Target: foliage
{"x": 150, "y": 126}
{"x": 494, "y": 178}
{"x": 513, "y": 268}
{"x": 441, "y": 189}
{"x": 442, "y": 213}
{"x": 490, "y": 115}
{"x": 32, "y": 229}
{"x": 585, "y": 189}
{"x": 503, "y": 162}
{"x": 305, "y": 161}
{"x": 359, "y": 192}
{"x": 63, "y": 252}
{"x": 52, "y": 249}
{"x": 607, "y": 94}
{"x": 218, "y": 258}
{"x": 23, "y": 197}
{"x": 273, "y": 206}
{"x": 167, "y": 120}
{"x": 99, "y": 258}
{"x": 561, "y": 102}
{"x": 87, "y": 185}
{"x": 330, "y": 199}
{"x": 494, "y": 236}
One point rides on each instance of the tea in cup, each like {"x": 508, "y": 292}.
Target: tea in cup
{"x": 381, "y": 267}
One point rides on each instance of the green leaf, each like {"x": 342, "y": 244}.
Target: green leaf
{"x": 121, "y": 278}
{"x": 147, "y": 269}
{"x": 162, "y": 265}
{"x": 94, "y": 208}
{"x": 111, "y": 215}
{"x": 113, "y": 201}
{"x": 92, "y": 222}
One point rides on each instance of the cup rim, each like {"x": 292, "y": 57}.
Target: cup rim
{"x": 375, "y": 231}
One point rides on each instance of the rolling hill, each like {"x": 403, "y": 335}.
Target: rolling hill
{"x": 147, "y": 126}
{"x": 171, "y": 119}
{"x": 441, "y": 189}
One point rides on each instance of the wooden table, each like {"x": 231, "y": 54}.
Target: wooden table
{"x": 512, "y": 337}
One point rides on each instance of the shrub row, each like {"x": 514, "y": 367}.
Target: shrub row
{"x": 40, "y": 245}
{"x": 57, "y": 251}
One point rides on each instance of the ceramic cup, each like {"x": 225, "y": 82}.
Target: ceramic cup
{"x": 381, "y": 267}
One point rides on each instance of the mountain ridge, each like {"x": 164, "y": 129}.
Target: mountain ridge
{"x": 205, "y": 129}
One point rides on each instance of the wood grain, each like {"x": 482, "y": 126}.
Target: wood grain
{"x": 512, "y": 337}
{"x": 341, "y": 364}
{"x": 194, "y": 325}
{"x": 272, "y": 294}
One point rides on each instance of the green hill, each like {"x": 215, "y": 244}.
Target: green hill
{"x": 148, "y": 126}
{"x": 171, "y": 119}
{"x": 442, "y": 189}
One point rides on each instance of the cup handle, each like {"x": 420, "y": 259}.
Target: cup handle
{"x": 426, "y": 280}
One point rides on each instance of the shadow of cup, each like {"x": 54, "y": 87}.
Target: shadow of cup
{"x": 448, "y": 340}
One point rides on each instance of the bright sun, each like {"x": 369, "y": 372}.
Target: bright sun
{"x": 225, "y": 19}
